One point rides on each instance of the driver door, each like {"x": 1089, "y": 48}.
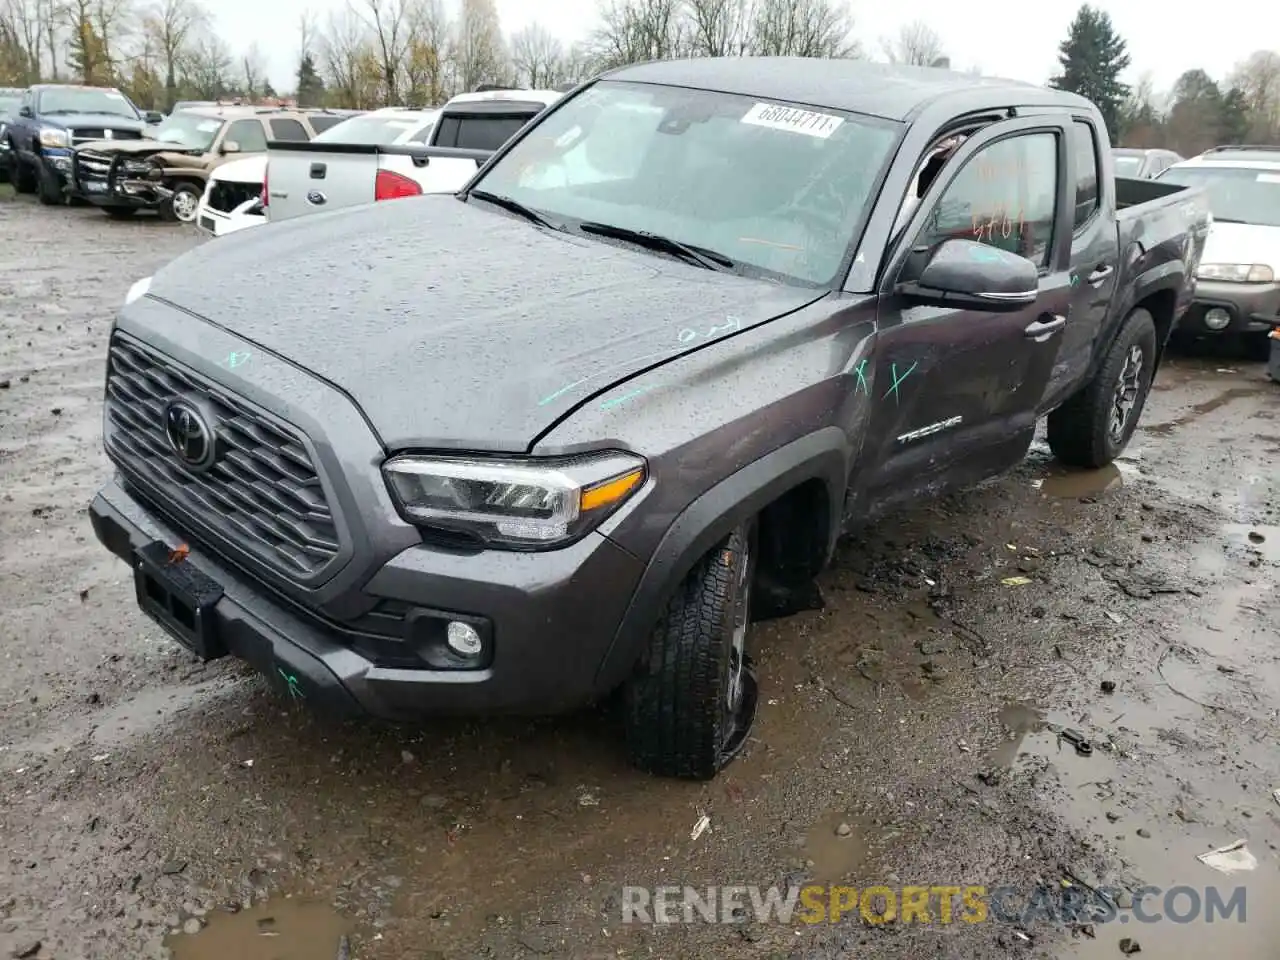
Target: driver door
{"x": 956, "y": 391}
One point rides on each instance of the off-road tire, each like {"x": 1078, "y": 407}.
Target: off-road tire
{"x": 676, "y": 721}
{"x": 20, "y": 175}
{"x": 1080, "y": 430}
{"x": 48, "y": 190}
{"x": 167, "y": 209}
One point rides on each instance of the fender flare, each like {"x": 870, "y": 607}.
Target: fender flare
{"x": 823, "y": 455}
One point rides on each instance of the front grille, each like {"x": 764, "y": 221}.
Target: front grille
{"x": 262, "y": 496}
{"x": 90, "y": 134}
{"x": 90, "y": 166}
{"x": 226, "y": 195}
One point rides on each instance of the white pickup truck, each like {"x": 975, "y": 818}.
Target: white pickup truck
{"x": 313, "y": 177}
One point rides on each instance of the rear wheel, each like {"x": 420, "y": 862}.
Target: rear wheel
{"x": 690, "y": 707}
{"x": 1093, "y": 427}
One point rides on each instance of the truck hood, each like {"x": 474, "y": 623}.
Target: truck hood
{"x": 1243, "y": 243}
{"x": 249, "y": 170}
{"x": 452, "y": 325}
{"x": 108, "y": 121}
{"x": 139, "y": 148}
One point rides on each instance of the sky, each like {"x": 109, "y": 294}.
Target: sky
{"x": 1017, "y": 39}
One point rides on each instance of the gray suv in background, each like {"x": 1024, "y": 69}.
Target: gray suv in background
{"x": 518, "y": 448}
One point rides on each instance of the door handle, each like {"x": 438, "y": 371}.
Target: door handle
{"x": 1100, "y": 274}
{"x": 1045, "y": 327}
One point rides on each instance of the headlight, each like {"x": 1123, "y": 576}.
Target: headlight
{"x": 518, "y": 504}
{"x": 1236, "y": 272}
{"x": 138, "y": 290}
{"x": 52, "y": 137}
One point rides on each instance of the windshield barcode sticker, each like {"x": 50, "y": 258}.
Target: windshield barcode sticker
{"x": 1269, "y": 178}
{"x": 820, "y": 125}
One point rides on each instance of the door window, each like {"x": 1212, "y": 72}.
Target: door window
{"x": 1004, "y": 196}
{"x": 286, "y": 129}
{"x": 248, "y": 134}
{"x": 1086, "y": 172}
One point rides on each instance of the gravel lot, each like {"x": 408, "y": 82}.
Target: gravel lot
{"x": 909, "y": 732}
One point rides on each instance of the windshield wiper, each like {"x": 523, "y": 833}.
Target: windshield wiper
{"x": 699, "y": 256}
{"x": 514, "y": 206}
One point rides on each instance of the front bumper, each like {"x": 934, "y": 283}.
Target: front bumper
{"x": 1253, "y": 307}
{"x": 217, "y": 223}
{"x": 553, "y": 617}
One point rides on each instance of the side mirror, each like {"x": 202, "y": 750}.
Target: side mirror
{"x": 25, "y": 111}
{"x": 230, "y": 146}
{"x": 153, "y": 116}
{"x": 974, "y": 276}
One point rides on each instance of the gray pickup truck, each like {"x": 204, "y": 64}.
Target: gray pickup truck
{"x": 519, "y": 448}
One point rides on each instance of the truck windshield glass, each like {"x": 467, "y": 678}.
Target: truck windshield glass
{"x": 382, "y": 131}
{"x": 189, "y": 130}
{"x": 1237, "y": 194}
{"x": 778, "y": 188}
{"x": 1128, "y": 166}
{"x": 85, "y": 100}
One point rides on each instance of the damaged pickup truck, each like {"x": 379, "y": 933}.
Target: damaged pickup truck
{"x": 168, "y": 171}
{"x": 753, "y": 303}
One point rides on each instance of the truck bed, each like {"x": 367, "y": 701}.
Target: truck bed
{"x": 1161, "y": 227}
{"x": 306, "y": 177}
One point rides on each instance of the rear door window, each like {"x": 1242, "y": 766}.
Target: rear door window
{"x": 1086, "y": 152}
{"x": 248, "y": 135}
{"x": 286, "y": 129}
{"x": 487, "y": 131}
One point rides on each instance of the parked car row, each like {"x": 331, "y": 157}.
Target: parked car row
{"x": 383, "y": 155}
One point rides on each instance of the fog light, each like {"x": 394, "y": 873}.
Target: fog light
{"x": 463, "y": 639}
{"x": 1217, "y": 319}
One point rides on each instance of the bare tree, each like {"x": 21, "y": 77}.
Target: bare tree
{"x": 537, "y": 56}
{"x": 207, "y": 67}
{"x": 113, "y": 20}
{"x": 1258, "y": 79}
{"x": 253, "y": 70}
{"x": 634, "y": 31}
{"x": 718, "y": 28}
{"x": 21, "y": 32}
{"x": 478, "y": 48}
{"x": 169, "y": 25}
{"x": 386, "y": 21}
{"x": 427, "y": 62}
{"x": 803, "y": 28}
{"x": 308, "y": 33}
{"x": 917, "y": 44}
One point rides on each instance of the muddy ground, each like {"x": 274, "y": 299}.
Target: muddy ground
{"x": 910, "y": 732}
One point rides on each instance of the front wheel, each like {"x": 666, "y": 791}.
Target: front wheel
{"x": 49, "y": 189}
{"x": 1093, "y": 426}
{"x": 182, "y": 205}
{"x": 692, "y": 702}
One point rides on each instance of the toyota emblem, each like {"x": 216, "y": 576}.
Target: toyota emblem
{"x": 316, "y": 198}
{"x": 189, "y": 435}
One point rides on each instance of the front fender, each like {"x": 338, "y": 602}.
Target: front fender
{"x": 823, "y": 455}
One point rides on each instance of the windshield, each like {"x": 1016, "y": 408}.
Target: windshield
{"x": 1240, "y": 194}
{"x": 1128, "y": 166}
{"x": 779, "y": 189}
{"x": 188, "y": 130}
{"x": 85, "y": 100}
{"x": 382, "y": 131}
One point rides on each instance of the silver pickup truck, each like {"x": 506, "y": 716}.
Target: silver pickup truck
{"x": 307, "y": 178}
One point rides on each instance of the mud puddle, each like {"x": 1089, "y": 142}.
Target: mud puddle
{"x": 837, "y": 847}
{"x": 281, "y": 930}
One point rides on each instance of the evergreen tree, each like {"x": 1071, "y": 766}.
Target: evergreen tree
{"x": 1235, "y": 117}
{"x": 310, "y": 85}
{"x": 1092, "y": 58}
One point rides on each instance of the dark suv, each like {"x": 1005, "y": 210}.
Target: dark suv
{"x": 516, "y": 448}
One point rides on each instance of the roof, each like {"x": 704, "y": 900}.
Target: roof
{"x": 71, "y": 86}
{"x": 890, "y": 91}
{"x": 1243, "y": 153}
{"x": 1242, "y": 160}
{"x": 1136, "y": 151}
{"x": 545, "y": 97}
